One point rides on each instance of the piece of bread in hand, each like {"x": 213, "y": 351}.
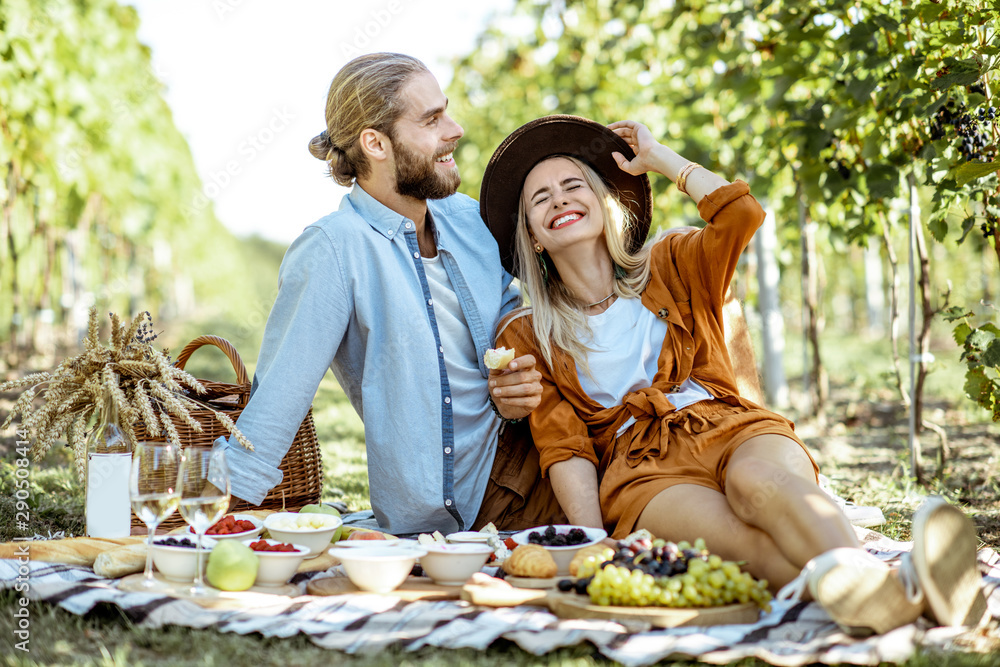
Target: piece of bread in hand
{"x": 530, "y": 560}
{"x": 498, "y": 358}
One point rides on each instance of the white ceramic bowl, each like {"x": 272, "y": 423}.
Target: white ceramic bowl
{"x": 378, "y": 570}
{"x": 277, "y": 567}
{"x": 180, "y": 563}
{"x": 563, "y": 556}
{"x": 316, "y": 539}
{"x": 258, "y": 529}
{"x": 452, "y": 564}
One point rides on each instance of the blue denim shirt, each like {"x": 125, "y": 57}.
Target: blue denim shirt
{"x": 353, "y": 297}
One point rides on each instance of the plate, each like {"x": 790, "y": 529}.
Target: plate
{"x": 534, "y": 583}
{"x": 468, "y": 536}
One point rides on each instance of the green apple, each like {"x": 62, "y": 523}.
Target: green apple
{"x": 324, "y": 509}
{"x": 232, "y": 566}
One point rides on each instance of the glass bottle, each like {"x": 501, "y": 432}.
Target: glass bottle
{"x": 109, "y": 459}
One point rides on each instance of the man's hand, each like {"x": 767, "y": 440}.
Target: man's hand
{"x": 517, "y": 389}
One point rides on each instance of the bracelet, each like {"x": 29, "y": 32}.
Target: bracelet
{"x": 682, "y": 176}
{"x": 497, "y": 412}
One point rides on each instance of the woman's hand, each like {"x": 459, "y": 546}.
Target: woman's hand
{"x": 517, "y": 389}
{"x": 641, "y": 140}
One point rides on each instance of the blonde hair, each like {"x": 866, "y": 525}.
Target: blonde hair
{"x": 364, "y": 94}
{"x": 557, "y": 315}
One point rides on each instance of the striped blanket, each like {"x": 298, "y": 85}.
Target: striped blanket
{"x": 791, "y": 634}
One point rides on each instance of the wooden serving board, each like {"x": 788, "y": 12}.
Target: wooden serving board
{"x": 533, "y": 582}
{"x": 571, "y": 605}
{"x": 414, "y": 588}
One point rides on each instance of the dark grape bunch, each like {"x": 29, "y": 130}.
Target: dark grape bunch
{"x": 550, "y": 538}
{"x": 989, "y": 226}
{"x": 652, "y": 572}
{"x": 975, "y": 144}
{"x": 174, "y": 542}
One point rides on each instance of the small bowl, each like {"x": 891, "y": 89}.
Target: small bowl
{"x": 316, "y": 539}
{"x": 258, "y": 529}
{"x": 467, "y": 537}
{"x": 563, "y": 556}
{"x": 378, "y": 570}
{"x": 453, "y": 564}
{"x": 180, "y": 563}
{"x": 277, "y": 567}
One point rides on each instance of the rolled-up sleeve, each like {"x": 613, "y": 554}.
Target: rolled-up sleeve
{"x": 303, "y": 332}
{"x": 558, "y": 432}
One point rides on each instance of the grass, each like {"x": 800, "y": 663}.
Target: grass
{"x": 864, "y": 454}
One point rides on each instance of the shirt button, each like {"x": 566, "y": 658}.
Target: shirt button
{"x": 441, "y": 349}
{"x": 448, "y": 502}
{"x": 447, "y": 399}
{"x": 447, "y": 450}
{"x": 430, "y": 302}
{"x": 389, "y": 232}
{"x": 416, "y": 255}
{"x": 408, "y": 225}
{"x": 662, "y": 314}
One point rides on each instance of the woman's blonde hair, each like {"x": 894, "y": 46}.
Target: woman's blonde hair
{"x": 364, "y": 94}
{"x": 558, "y": 317}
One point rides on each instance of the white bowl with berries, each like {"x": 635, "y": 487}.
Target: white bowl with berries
{"x": 562, "y": 541}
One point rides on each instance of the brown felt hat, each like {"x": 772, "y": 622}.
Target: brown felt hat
{"x": 546, "y": 137}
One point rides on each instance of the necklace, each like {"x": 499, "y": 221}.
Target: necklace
{"x": 597, "y": 303}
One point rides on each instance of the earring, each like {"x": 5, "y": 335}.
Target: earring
{"x": 543, "y": 267}
{"x": 539, "y": 248}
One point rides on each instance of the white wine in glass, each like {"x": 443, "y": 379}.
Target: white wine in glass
{"x": 204, "y": 497}
{"x": 153, "y": 491}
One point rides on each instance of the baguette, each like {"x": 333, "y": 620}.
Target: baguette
{"x": 120, "y": 561}
{"x": 71, "y": 551}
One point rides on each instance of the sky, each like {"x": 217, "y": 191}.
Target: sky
{"x": 246, "y": 81}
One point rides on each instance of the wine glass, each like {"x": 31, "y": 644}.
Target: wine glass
{"x": 204, "y": 490}
{"x": 153, "y": 492}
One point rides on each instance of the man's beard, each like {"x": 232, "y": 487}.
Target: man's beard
{"x": 417, "y": 177}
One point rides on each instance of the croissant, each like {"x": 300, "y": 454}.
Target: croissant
{"x": 530, "y": 560}
{"x": 600, "y": 551}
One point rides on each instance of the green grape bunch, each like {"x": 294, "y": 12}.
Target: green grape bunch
{"x": 649, "y": 572}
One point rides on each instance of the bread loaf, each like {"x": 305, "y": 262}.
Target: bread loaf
{"x": 72, "y": 550}
{"x": 120, "y": 561}
{"x": 530, "y": 560}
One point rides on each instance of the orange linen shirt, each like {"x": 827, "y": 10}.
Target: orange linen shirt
{"x": 689, "y": 279}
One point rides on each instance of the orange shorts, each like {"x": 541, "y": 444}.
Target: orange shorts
{"x": 699, "y": 448}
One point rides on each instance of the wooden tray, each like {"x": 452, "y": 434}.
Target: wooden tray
{"x": 414, "y": 588}
{"x": 533, "y": 582}
{"x": 571, "y": 605}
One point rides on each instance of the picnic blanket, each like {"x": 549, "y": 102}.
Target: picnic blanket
{"x": 791, "y": 634}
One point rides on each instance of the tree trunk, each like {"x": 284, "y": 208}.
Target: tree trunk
{"x": 916, "y": 455}
{"x": 890, "y": 254}
{"x": 874, "y": 290}
{"x": 814, "y": 375}
{"x": 772, "y": 323}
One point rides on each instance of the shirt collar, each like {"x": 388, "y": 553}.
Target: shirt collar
{"x": 382, "y": 219}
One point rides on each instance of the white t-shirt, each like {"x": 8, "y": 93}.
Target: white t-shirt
{"x": 623, "y": 358}
{"x": 471, "y": 412}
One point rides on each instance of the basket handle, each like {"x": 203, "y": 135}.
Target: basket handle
{"x": 222, "y": 344}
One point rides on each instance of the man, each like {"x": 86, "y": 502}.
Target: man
{"x": 399, "y": 292}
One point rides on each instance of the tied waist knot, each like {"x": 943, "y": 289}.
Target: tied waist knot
{"x": 654, "y": 417}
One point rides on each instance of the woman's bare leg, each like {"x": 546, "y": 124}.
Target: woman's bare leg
{"x": 770, "y": 484}
{"x": 688, "y": 511}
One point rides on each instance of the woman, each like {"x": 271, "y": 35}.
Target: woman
{"x": 641, "y": 424}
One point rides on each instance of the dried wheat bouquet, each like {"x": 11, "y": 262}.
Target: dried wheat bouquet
{"x": 139, "y": 378}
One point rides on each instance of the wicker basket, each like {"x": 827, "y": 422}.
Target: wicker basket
{"x": 302, "y": 465}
